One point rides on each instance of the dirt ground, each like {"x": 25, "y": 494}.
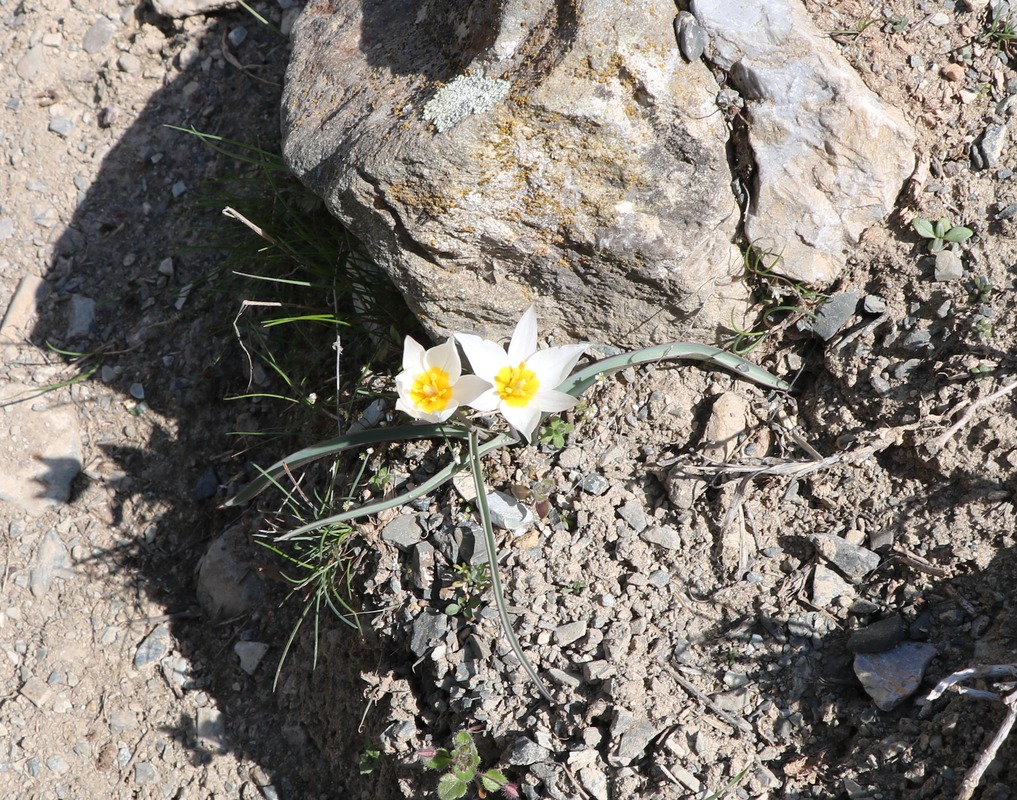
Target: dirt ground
{"x": 685, "y": 611}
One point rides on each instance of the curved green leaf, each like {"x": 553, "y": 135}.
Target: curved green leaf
{"x": 959, "y": 234}
{"x": 923, "y": 227}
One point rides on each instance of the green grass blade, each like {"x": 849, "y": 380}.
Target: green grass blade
{"x": 432, "y": 483}
{"x": 335, "y": 446}
{"x": 492, "y": 561}
{"x": 580, "y": 381}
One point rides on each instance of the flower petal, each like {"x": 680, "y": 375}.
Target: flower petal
{"x": 487, "y": 401}
{"x": 524, "y": 337}
{"x": 484, "y": 356}
{"x": 553, "y": 401}
{"x": 446, "y": 358}
{"x": 523, "y": 419}
{"x": 468, "y": 388}
{"x": 555, "y": 364}
{"x": 413, "y": 355}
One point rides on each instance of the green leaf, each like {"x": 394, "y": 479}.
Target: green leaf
{"x": 493, "y": 780}
{"x": 959, "y": 234}
{"x": 464, "y": 739}
{"x": 452, "y": 609}
{"x": 368, "y": 761}
{"x": 923, "y": 227}
{"x": 942, "y": 226}
{"x": 440, "y": 762}
{"x": 935, "y": 245}
{"x": 450, "y": 787}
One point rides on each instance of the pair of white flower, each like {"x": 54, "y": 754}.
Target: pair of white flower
{"x": 520, "y": 383}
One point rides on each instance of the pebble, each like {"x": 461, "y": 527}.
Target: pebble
{"x": 570, "y": 632}
{"x": 153, "y": 647}
{"x": 178, "y": 189}
{"x": 207, "y": 484}
{"x": 507, "y": 512}
{"x": 129, "y": 63}
{"x": 948, "y": 266}
{"x": 834, "y": 314}
{"x": 952, "y": 72}
{"x": 227, "y": 584}
{"x": 525, "y": 751}
{"x": 51, "y": 561}
{"x": 992, "y": 143}
{"x": 874, "y": 304}
{"x": 81, "y": 316}
{"x": 145, "y": 773}
{"x": 98, "y": 36}
{"x": 237, "y": 35}
{"x": 690, "y": 35}
{"x": 422, "y": 565}
{"x": 877, "y": 637}
{"x": 210, "y": 727}
{"x": 663, "y": 536}
{"x": 31, "y": 63}
{"x": 632, "y": 513}
{"x": 854, "y": 561}
{"x": 62, "y": 126}
{"x": 57, "y": 764}
{"x": 827, "y": 586}
{"x": 428, "y": 626}
{"x": 633, "y": 743}
{"x": 250, "y": 655}
{"x": 37, "y": 692}
{"x": 890, "y": 678}
{"x": 7, "y": 227}
{"x": 404, "y": 531}
{"x": 595, "y": 484}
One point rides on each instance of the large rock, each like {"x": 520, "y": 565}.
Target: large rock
{"x": 492, "y": 154}
{"x": 830, "y": 157}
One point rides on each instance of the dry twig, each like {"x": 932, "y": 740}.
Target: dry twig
{"x": 972, "y": 408}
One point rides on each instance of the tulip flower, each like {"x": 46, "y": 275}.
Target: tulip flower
{"x": 523, "y": 380}
{"x": 431, "y": 386}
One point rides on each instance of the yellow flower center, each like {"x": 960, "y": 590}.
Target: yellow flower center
{"x": 516, "y": 385}
{"x": 431, "y": 391}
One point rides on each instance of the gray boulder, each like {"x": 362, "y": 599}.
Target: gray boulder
{"x": 830, "y": 156}
{"x": 490, "y": 155}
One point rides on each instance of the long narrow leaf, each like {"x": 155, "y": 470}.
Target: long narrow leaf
{"x": 432, "y": 483}
{"x": 333, "y": 446}
{"x": 580, "y": 381}
{"x": 492, "y": 561}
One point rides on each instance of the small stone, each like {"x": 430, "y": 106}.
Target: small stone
{"x": 877, "y": 637}
{"x": 31, "y": 63}
{"x": 992, "y": 143}
{"x": 595, "y": 782}
{"x": 525, "y": 751}
{"x": 211, "y": 729}
{"x": 690, "y": 35}
{"x": 37, "y": 691}
{"x": 834, "y": 315}
{"x": 1008, "y": 212}
{"x": 422, "y": 565}
{"x": 570, "y": 632}
{"x": 663, "y": 536}
{"x": 873, "y": 304}
{"x": 597, "y": 670}
{"x": 137, "y": 391}
{"x": 228, "y": 584}
{"x": 237, "y": 35}
{"x": 81, "y": 317}
{"x": 827, "y": 586}
{"x": 153, "y": 647}
{"x": 890, "y": 678}
{"x": 7, "y": 227}
{"x": 145, "y": 773}
{"x": 633, "y": 743}
{"x": 563, "y": 678}
{"x": 250, "y": 655}
{"x": 98, "y": 36}
{"x": 507, "y": 512}
{"x": 404, "y": 531}
{"x": 632, "y": 513}
{"x": 178, "y": 189}
{"x": 594, "y": 484}
{"x": 62, "y": 126}
{"x": 428, "y": 626}
{"x": 948, "y": 266}
{"x": 129, "y": 63}
{"x": 51, "y": 561}
{"x": 854, "y": 561}
{"x": 166, "y": 267}
{"x": 952, "y": 72}
{"x": 57, "y": 764}
{"x": 207, "y": 484}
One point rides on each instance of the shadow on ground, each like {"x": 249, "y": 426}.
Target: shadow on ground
{"x": 157, "y": 326}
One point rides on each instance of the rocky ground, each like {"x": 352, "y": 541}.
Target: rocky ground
{"x": 729, "y": 587}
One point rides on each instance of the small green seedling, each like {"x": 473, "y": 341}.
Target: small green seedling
{"x": 573, "y": 588}
{"x": 463, "y": 763}
{"x": 940, "y": 233}
{"x": 472, "y": 582}
{"x": 554, "y": 432}
{"x": 369, "y": 760}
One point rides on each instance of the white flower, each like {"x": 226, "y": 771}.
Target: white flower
{"x": 431, "y": 386}
{"x": 523, "y": 381}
